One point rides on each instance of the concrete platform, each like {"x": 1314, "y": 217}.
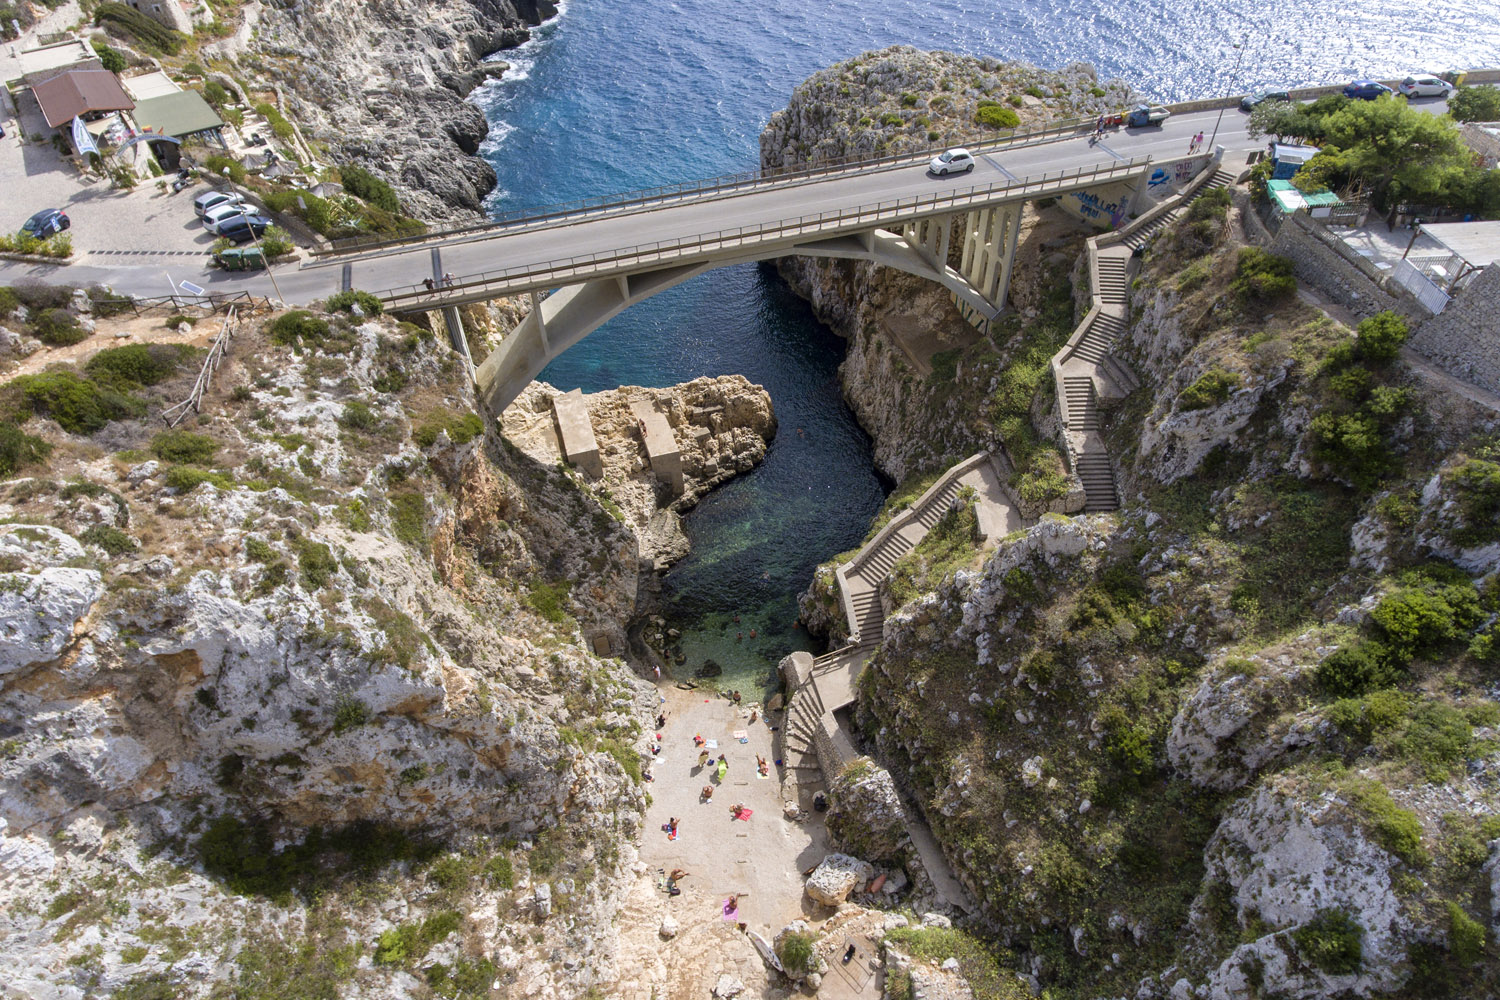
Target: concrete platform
{"x": 661, "y": 444}
{"x": 575, "y": 433}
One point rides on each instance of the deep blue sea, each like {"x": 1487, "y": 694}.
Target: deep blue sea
{"x": 612, "y": 95}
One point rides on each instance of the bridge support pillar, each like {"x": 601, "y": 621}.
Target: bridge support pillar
{"x": 989, "y": 254}
{"x": 541, "y": 323}
{"x": 460, "y": 343}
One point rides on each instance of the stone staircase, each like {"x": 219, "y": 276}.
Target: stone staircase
{"x": 1086, "y": 371}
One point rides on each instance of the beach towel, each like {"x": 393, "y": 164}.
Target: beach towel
{"x": 711, "y": 744}
{"x": 672, "y": 835}
{"x": 761, "y": 776}
{"x": 731, "y": 910}
{"x": 745, "y": 814}
{"x": 742, "y": 736}
{"x": 723, "y": 770}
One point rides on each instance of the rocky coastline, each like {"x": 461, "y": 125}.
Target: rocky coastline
{"x": 385, "y": 86}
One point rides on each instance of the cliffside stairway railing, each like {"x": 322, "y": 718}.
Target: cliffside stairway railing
{"x": 174, "y": 415}
{"x": 1086, "y": 365}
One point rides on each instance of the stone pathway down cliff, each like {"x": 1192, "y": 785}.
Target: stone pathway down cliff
{"x": 1087, "y": 374}
{"x": 815, "y": 742}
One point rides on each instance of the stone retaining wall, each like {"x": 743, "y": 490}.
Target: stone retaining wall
{"x": 1327, "y": 270}
{"x": 1464, "y": 339}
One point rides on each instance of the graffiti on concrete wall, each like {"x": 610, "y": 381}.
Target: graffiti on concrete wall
{"x": 1169, "y": 178}
{"x": 1096, "y": 209}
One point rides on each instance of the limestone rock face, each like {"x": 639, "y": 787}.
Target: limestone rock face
{"x": 837, "y": 876}
{"x": 1287, "y": 853}
{"x": 1237, "y": 721}
{"x": 39, "y": 612}
{"x": 722, "y": 427}
{"x": 384, "y": 86}
{"x": 865, "y": 815}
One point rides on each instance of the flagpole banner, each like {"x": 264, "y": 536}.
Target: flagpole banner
{"x": 82, "y": 141}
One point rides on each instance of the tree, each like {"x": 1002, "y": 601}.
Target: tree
{"x": 1284, "y": 120}
{"x": 1392, "y": 145}
{"x": 1475, "y": 104}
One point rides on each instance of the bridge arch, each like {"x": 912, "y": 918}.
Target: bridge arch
{"x": 559, "y": 321}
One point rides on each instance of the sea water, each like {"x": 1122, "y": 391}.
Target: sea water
{"x": 612, "y": 96}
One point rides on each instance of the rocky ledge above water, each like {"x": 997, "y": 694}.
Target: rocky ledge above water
{"x": 722, "y": 426}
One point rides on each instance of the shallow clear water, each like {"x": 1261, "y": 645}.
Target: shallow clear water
{"x": 612, "y": 96}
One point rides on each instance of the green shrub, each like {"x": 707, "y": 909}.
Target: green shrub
{"x": 79, "y": 405}
{"x": 1210, "y": 205}
{"x": 358, "y": 416}
{"x": 1397, "y": 830}
{"x": 1262, "y": 278}
{"x": 500, "y": 871}
{"x": 890, "y": 118}
{"x": 316, "y": 564}
{"x": 1331, "y": 941}
{"x": 1465, "y": 936}
{"x": 795, "y": 950}
{"x": 409, "y": 518}
{"x": 110, "y": 58}
{"x": 1015, "y": 100}
{"x": 137, "y": 364}
{"x": 58, "y": 328}
{"x": 299, "y": 325}
{"x": 19, "y": 449}
{"x": 1364, "y": 666}
{"x": 997, "y": 116}
{"x": 1380, "y": 337}
{"x": 411, "y": 942}
{"x": 150, "y": 35}
{"x": 279, "y": 125}
{"x": 362, "y": 184}
{"x": 187, "y": 478}
{"x": 345, "y": 302}
{"x": 258, "y": 550}
{"x": 276, "y": 242}
{"x": 8, "y": 301}
{"x": 1210, "y": 389}
{"x": 1426, "y": 614}
{"x": 36, "y": 297}
{"x": 225, "y": 166}
{"x": 1475, "y": 104}
{"x": 1476, "y": 483}
{"x": 461, "y": 428}
{"x": 349, "y": 713}
{"x": 550, "y": 600}
{"x": 184, "y": 446}
{"x": 110, "y": 539}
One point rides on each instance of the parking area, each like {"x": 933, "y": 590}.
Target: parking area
{"x": 141, "y": 222}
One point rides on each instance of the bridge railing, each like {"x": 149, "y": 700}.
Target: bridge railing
{"x": 561, "y": 271}
{"x": 747, "y": 180}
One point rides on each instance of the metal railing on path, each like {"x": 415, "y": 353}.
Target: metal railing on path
{"x": 736, "y": 183}
{"x": 214, "y": 302}
{"x": 565, "y": 270}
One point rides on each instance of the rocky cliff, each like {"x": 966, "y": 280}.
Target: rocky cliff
{"x": 302, "y": 695}
{"x": 1236, "y": 740}
{"x": 383, "y": 85}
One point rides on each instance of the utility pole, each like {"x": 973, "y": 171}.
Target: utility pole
{"x": 1233, "y": 80}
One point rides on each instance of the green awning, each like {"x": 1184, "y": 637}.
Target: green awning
{"x": 1290, "y": 198}
{"x": 181, "y": 114}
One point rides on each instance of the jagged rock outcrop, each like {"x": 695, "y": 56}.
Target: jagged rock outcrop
{"x": 322, "y": 608}
{"x": 722, "y": 427}
{"x": 866, "y": 817}
{"x": 383, "y": 85}
{"x": 836, "y": 876}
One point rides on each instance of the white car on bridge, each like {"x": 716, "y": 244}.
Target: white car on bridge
{"x": 952, "y": 161}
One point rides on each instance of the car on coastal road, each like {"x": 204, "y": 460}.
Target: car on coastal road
{"x": 44, "y": 223}
{"x": 218, "y": 214}
{"x": 952, "y": 161}
{"x": 1249, "y": 101}
{"x": 213, "y": 199}
{"x": 1424, "y": 85}
{"x": 1366, "y": 90}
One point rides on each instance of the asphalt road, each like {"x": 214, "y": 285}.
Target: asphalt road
{"x": 465, "y": 256}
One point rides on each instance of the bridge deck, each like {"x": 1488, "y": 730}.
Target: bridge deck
{"x": 489, "y": 263}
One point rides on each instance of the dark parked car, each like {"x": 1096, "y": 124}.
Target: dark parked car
{"x": 1366, "y": 90}
{"x": 46, "y": 222}
{"x": 240, "y": 228}
{"x": 1249, "y": 101}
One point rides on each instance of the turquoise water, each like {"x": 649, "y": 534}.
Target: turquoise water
{"x": 612, "y": 96}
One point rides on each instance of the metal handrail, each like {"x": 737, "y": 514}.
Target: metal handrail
{"x": 554, "y": 271}
{"x": 736, "y": 182}
{"x": 213, "y": 301}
